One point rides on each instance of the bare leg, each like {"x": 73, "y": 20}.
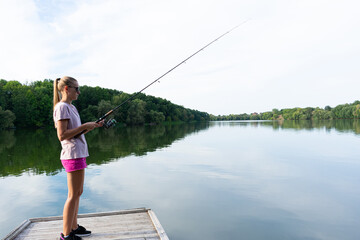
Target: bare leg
{"x": 74, "y": 221}
{"x": 75, "y": 188}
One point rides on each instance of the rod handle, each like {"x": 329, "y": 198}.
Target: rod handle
{"x": 97, "y": 121}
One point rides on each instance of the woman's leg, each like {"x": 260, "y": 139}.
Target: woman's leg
{"x": 75, "y": 187}
{"x": 74, "y": 221}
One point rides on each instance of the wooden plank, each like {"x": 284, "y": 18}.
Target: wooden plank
{"x": 157, "y": 225}
{"x": 17, "y": 230}
{"x": 87, "y": 215}
{"x": 133, "y": 224}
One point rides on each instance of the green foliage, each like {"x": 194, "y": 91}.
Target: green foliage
{"x": 156, "y": 117}
{"x": 6, "y": 118}
{"x": 93, "y": 95}
{"x": 327, "y": 108}
{"x": 322, "y": 114}
{"x": 136, "y": 113}
{"x": 89, "y": 114}
{"x": 104, "y": 107}
{"x": 230, "y": 117}
{"x": 32, "y": 106}
{"x": 254, "y": 116}
{"x": 344, "y": 111}
{"x": 267, "y": 116}
{"x": 3, "y": 94}
{"x": 356, "y": 112}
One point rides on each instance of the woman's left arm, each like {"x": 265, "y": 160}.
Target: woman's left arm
{"x": 64, "y": 133}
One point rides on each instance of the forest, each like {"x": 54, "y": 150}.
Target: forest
{"x": 342, "y": 111}
{"x": 30, "y": 106}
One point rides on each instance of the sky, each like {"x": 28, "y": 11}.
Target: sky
{"x": 288, "y": 53}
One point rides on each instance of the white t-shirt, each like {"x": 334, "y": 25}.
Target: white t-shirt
{"x": 74, "y": 147}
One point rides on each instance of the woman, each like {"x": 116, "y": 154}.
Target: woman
{"x": 74, "y": 151}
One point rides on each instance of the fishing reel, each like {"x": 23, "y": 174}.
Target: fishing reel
{"x": 110, "y": 123}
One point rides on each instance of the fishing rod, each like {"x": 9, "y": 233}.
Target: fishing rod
{"x": 112, "y": 122}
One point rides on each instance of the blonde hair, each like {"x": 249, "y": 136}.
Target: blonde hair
{"x": 59, "y": 85}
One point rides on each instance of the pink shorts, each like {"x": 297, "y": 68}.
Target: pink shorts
{"x": 71, "y": 165}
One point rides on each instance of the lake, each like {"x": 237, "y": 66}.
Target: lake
{"x": 215, "y": 180}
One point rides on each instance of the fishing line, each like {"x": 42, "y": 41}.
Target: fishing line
{"x": 112, "y": 122}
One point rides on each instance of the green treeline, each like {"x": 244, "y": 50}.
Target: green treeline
{"x": 30, "y": 105}
{"x": 343, "y": 111}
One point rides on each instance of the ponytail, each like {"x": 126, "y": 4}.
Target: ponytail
{"x": 56, "y": 92}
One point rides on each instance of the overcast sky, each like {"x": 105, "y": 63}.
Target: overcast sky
{"x": 289, "y": 54}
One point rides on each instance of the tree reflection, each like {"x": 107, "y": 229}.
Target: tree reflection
{"x": 341, "y": 125}
{"x": 38, "y": 151}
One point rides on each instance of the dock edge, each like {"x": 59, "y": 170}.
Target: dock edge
{"x": 155, "y": 221}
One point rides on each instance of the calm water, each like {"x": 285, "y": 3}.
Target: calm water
{"x": 217, "y": 180}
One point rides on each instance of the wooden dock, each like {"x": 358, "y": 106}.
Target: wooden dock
{"x": 133, "y": 224}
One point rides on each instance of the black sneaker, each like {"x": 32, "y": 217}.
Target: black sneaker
{"x": 71, "y": 236}
{"x": 81, "y": 231}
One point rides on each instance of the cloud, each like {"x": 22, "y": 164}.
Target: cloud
{"x": 290, "y": 54}
{"x": 23, "y": 45}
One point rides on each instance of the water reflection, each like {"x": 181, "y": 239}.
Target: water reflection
{"x": 38, "y": 151}
{"x": 28, "y": 150}
{"x": 220, "y": 180}
{"x": 341, "y": 125}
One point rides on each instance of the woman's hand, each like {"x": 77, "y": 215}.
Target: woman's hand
{"x": 91, "y": 125}
{"x": 101, "y": 123}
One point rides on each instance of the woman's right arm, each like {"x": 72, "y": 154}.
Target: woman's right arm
{"x": 64, "y": 133}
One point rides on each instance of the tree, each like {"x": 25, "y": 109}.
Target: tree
{"x": 104, "y": 107}
{"x": 18, "y": 103}
{"x": 327, "y": 108}
{"x": 32, "y": 105}
{"x": 6, "y": 118}
{"x": 156, "y": 117}
{"x": 89, "y": 114}
{"x": 43, "y": 106}
{"x": 121, "y": 113}
{"x": 321, "y": 114}
{"x": 254, "y": 116}
{"x": 2, "y": 94}
{"x": 356, "y": 112}
{"x": 136, "y": 112}
{"x": 267, "y": 116}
